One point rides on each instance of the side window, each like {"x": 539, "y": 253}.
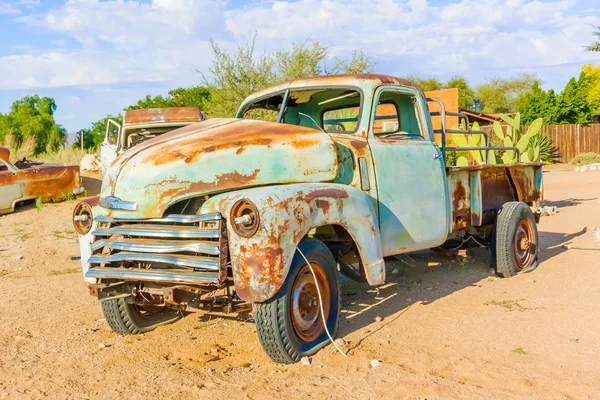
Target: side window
{"x": 341, "y": 119}
{"x": 396, "y": 116}
{"x": 3, "y": 167}
{"x": 386, "y": 119}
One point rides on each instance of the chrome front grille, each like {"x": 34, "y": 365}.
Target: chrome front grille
{"x": 178, "y": 248}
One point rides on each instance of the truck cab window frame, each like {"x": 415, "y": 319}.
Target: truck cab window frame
{"x": 409, "y": 115}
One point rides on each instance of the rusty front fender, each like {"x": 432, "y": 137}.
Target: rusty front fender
{"x": 287, "y": 213}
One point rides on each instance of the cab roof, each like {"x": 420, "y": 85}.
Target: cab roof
{"x": 359, "y": 80}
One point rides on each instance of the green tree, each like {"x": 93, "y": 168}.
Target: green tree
{"x": 236, "y": 76}
{"x": 93, "y": 136}
{"x": 427, "y": 84}
{"x": 359, "y": 63}
{"x": 573, "y": 106}
{"x": 302, "y": 61}
{"x": 593, "y": 72}
{"x": 595, "y": 46}
{"x": 466, "y": 95}
{"x": 537, "y": 103}
{"x": 195, "y": 96}
{"x": 500, "y": 95}
{"x": 33, "y": 116}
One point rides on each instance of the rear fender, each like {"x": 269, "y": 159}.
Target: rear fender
{"x": 287, "y": 213}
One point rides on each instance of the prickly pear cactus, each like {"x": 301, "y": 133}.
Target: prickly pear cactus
{"x": 512, "y": 136}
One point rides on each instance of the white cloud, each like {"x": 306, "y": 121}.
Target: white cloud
{"x": 73, "y": 99}
{"x": 167, "y": 40}
{"x": 8, "y": 8}
{"x": 460, "y": 36}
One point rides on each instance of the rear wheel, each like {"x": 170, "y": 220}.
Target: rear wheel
{"x": 130, "y": 319}
{"x": 290, "y": 325}
{"x": 515, "y": 240}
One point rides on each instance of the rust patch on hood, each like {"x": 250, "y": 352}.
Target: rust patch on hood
{"x": 238, "y": 135}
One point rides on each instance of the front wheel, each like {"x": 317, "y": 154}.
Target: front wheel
{"x": 290, "y": 324}
{"x": 515, "y": 244}
{"x": 130, "y": 319}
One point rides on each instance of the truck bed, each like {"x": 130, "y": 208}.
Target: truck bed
{"x": 478, "y": 191}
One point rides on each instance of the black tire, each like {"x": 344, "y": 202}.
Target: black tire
{"x": 277, "y": 332}
{"x": 515, "y": 240}
{"x": 129, "y": 319}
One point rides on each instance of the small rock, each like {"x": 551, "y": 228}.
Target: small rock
{"x": 101, "y": 346}
{"x": 577, "y": 169}
{"x": 378, "y": 319}
{"x": 376, "y": 363}
{"x": 395, "y": 271}
{"x": 462, "y": 253}
{"x": 491, "y": 271}
{"x": 19, "y": 257}
{"x": 593, "y": 168}
{"x": 409, "y": 299}
{"x": 305, "y": 361}
{"x": 340, "y": 342}
{"x": 583, "y": 169}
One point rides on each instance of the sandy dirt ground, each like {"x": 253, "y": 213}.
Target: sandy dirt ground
{"x": 449, "y": 328}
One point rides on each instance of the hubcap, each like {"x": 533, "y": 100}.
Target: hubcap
{"x": 524, "y": 243}
{"x": 306, "y": 313}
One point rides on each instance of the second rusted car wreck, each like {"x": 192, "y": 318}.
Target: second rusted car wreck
{"x": 313, "y": 175}
{"x": 143, "y": 124}
{"x": 26, "y": 180}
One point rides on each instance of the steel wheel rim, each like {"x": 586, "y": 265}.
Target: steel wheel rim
{"x": 524, "y": 243}
{"x": 305, "y": 309}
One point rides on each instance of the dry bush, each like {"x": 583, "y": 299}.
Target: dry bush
{"x": 64, "y": 156}
{"x": 18, "y": 152}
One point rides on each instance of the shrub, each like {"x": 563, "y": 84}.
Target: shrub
{"x": 64, "y": 156}
{"x": 19, "y": 151}
{"x": 586, "y": 158}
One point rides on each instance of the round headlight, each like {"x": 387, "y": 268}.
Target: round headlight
{"x": 245, "y": 218}
{"x": 83, "y": 218}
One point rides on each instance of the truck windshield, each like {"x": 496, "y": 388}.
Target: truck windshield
{"x": 332, "y": 109}
{"x": 136, "y": 135}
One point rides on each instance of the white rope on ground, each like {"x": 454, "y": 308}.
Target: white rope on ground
{"x": 321, "y": 303}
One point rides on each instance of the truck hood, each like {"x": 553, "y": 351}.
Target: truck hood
{"x": 214, "y": 156}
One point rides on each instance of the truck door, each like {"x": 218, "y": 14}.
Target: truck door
{"x": 411, "y": 177}
{"x": 10, "y": 189}
{"x": 110, "y": 144}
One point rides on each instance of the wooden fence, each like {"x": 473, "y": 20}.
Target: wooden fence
{"x": 569, "y": 140}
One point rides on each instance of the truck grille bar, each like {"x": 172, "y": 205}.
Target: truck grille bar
{"x": 159, "y": 246}
{"x": 173, "y": 275}
{"x": 178, "y": 248}
{"x": 181, "y": 261}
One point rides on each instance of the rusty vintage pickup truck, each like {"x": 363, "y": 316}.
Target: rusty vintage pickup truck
{"x": 261, "y": 211}
{"x": 143, "y": 124}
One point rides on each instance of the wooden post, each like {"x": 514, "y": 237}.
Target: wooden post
{"x": 81, "y": 138}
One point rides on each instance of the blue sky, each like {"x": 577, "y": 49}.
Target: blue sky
{"x": 96, "y": 57}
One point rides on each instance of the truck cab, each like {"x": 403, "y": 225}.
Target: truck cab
{"x": 313, "y": 177}
{"x": 141, "y": 125}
